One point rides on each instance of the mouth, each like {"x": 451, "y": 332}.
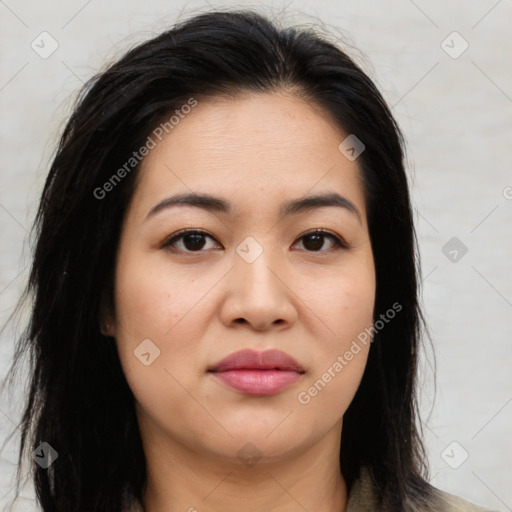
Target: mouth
{"x": 258, "y": 373}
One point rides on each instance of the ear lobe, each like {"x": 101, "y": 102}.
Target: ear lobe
{"x": 107, "y": 329}
{"x": 106, "y": 321}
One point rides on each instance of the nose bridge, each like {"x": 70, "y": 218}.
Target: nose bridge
{"x": 258, "y": 291}
{"x": 258, "y": 263}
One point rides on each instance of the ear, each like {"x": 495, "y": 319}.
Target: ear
{"x": 106, "y": 317}
{"x": 107, "y": 328}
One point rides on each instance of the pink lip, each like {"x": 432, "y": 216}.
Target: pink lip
{"x": 258, "y": 373}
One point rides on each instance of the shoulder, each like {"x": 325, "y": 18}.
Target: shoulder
{"x": 451, "y": 503}
{"x": 134, "y": 506}
{"x": 362, "y": 497}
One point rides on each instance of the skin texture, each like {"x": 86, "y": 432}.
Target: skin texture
{"x": 309, "y": 299}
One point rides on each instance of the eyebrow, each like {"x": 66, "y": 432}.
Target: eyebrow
{"x": 216, "y": 204}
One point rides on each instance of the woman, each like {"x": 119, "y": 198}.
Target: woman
{"x": 194, "y": 345}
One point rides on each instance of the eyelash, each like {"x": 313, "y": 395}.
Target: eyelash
{"x": 339, "y": 243}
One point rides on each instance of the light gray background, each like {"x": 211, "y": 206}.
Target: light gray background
{"x": 455, "y": 113}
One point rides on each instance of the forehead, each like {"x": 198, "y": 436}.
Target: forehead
{"x": 252, "y": 150}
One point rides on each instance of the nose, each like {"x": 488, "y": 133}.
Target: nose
{"x": 259, "y": 293}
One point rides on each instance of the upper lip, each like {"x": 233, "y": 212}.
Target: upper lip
{"x": 255, "y": 360}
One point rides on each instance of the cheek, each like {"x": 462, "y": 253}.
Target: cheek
{"x": 347, "y": 307}
{"x": 346, "y": 301}
{"x": 352, "y": 310}
{"x": 151, "y": 297}
{"x": 166, "y": 306}
{"x": 155, "y": 311}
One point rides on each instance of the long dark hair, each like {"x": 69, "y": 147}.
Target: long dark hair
{"x": 79, "y": 401}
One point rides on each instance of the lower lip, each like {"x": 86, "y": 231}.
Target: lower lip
{"x": 258, "y": 382}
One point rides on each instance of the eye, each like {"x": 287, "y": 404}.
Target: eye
{"x": 314, "y": 241}
{"x": 193, "y": 240}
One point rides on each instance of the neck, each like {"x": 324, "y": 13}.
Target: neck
{"x": 181, "y": 479}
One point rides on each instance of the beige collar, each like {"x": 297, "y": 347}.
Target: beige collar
{"x": 362, "y": 498}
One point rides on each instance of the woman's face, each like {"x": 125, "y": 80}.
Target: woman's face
{"x": 254, "y": 278}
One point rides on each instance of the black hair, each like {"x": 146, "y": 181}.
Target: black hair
{"x": 79, "y": 400}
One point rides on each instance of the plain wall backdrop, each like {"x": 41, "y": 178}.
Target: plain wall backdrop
{"x": 445, "y": 68}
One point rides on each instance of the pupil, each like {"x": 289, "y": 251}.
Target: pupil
{"x": 196, "y": 241}
{"x": 319, "y": 242}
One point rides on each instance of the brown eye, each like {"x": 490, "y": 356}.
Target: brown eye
{"x": 191, "y": 241}
{"x": 315, "y": 240}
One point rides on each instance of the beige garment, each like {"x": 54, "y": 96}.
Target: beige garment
{"x": 362, "y": 499}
